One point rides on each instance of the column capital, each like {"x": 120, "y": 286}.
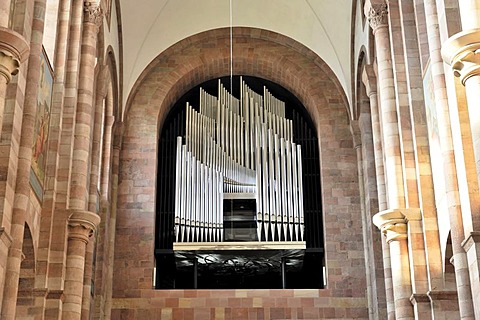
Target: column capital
{"x": 393, "y": 222}
{"x": 377, "y": 15}
{"x": 462, "y": 53}
{"x": 14, "y": 50}
{"x": 92, "y": 13}
{"x": 82, "y": 224}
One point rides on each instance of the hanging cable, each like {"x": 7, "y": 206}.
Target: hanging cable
{"x": 231, "y": 50}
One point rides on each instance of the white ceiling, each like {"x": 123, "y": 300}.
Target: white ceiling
{"x": 151, "y": 26}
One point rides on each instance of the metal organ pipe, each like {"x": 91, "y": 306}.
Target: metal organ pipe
{"x": 238, "y": 146}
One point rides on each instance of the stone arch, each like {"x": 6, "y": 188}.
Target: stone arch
{"x": 205, "y": 56}
{"x": 361, "y": 103}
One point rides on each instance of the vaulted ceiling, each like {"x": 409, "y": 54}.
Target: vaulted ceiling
{"x": 151, "y": 26}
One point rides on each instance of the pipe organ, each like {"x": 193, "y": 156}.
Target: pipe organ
{"x": 238, "y": 150}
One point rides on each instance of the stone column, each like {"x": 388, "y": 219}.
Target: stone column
{"x": 118, "y": 129}
{"x": 370, "y": 81}
{"x": 393, "y": 225}
{"x": 4, "y": 12}
{"x": 391, "y": 222}
{"x": 462, "y": 53}
{"x": 84, "y": 114}
{"x": 378, "y": 18}
{"x": 81, "y": 226}
{"x": 449, "y": 167}
{"x": 13, "y": 51}
{"x": 22, "y": 187}
{"x": 81, "y": 153}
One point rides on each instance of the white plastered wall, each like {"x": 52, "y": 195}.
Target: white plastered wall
{"x": 151, "y": 26}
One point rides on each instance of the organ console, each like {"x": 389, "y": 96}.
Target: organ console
{"x": 238, "y": 150}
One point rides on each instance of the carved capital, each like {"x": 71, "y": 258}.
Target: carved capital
{"x": 462, "y": 53}
{"x": 92, "y": 13}
{"x": 392, "y": 223}
{"x": 14, "y": 50}
{"x": 82, "y": 224}
{"x": 377, "y": 15}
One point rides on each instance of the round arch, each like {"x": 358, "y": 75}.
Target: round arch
{"x": 206, "y": 56}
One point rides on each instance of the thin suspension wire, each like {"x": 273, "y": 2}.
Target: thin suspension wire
{"x": 231, "y": 49}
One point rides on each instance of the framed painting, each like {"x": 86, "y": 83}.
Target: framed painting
{"x": 42, "y": 123}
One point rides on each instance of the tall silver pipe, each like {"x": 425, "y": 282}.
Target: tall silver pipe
{"x": 266, "y": 212}
{"x": 183, "y": 209}
{"x": 259, "y": 195}
{"x": 296, "y": 217}
{"x": 300, "y": 190}
{"x": 178, "y": 186}
{"x": 284, "y": 188}
{"x": 214, "y": 205}
{"x": 278, "y": 195}
{"x": 290, "y": 188}
{"x": 202, "y": 204}
{"x": 271, "y": 184}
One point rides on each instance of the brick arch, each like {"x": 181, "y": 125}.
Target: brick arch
{"x": 203, "y": 57}
{"x": 260, "y": 53}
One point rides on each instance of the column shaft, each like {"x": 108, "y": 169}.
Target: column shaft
{"x": 387, "y": 107}
{"x": 84, "y": 114}
{"x": 81, "y": 227}
{"x": 393, "y": 224}
{"x": 77, "y": 242}
{"x": 392, "y": 154}
{"x": 461, "y": 51}
{"x": 402, "y": 289}
{"x": 4, "y": 12}
{"x": 51, "y": 271}
{"x": 81, "y": 145}
{"x": 370, "y": 80}
{"x": 109, "y": 260}
{"x": 455, "y": 212}
{"x": 22, "y": 188}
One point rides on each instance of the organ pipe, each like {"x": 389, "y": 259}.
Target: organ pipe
{"x": 241, "y": 147}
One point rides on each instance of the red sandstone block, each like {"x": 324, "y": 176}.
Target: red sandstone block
{"x": 171, "y": 302}
{"x": 277, "y": 313}
{"x": 190, "y": 293}
{"x": 234, "y": 302}
{"x": 239, "y": 313}
{"x": 202, "y": 313}
{"x": 178, "y": 314}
